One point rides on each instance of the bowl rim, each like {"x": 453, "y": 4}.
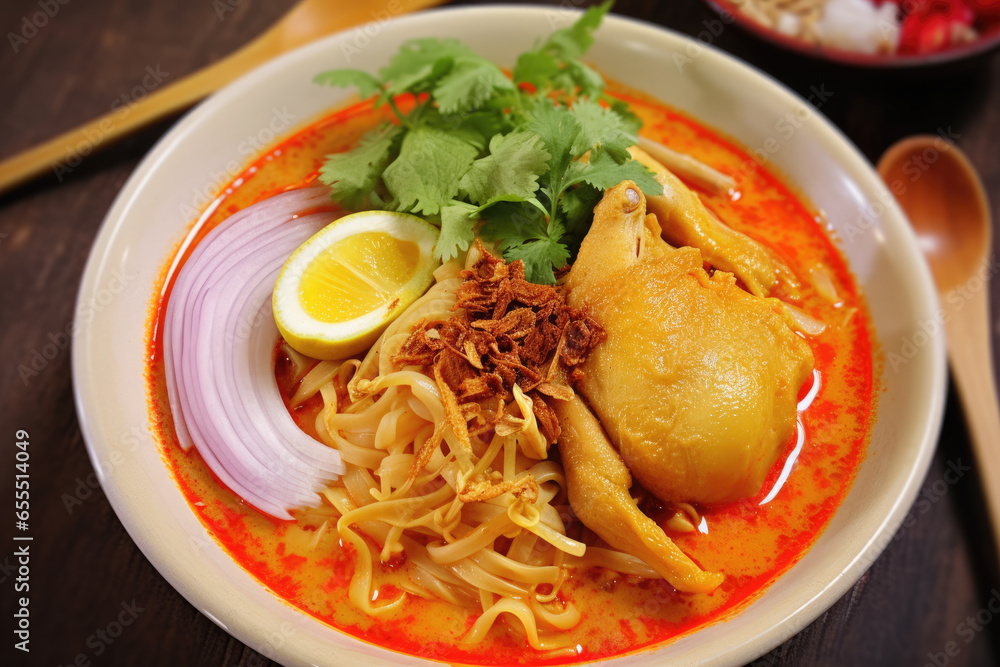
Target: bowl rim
{"x": 750, "y": 648}
{"x": 869, "y": 61}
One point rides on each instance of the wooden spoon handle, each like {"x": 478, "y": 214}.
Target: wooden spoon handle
{"x": 65, "y": 152}
{"x": 972, "y": 367}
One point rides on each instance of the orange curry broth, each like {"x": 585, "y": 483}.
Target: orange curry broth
{"x": 304, "y": 563}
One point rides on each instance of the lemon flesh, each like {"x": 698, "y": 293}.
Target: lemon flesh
{"x": 356, "y": 276}
{"x": 341, "y": 288}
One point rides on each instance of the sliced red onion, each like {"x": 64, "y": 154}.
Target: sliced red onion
{"x": 218, "y": 346}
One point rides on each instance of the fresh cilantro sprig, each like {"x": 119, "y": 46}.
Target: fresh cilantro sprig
{"x": 520, "y": 160}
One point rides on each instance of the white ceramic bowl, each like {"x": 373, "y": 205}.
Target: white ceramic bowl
{"x": 214, "y": 141}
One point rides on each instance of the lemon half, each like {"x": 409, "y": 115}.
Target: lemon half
{"x": 341, "y": 288}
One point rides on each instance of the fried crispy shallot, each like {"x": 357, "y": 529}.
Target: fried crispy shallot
{"x": 486, "y": 486}
{"x": 505, "y": 332}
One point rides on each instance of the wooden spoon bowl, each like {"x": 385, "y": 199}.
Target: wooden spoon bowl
{"x": 942, "y": 194}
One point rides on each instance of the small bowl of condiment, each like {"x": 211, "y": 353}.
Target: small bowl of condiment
{"x": 873, "y": 33}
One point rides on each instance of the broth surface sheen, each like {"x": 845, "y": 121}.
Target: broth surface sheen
{"x": 751, "y": 543}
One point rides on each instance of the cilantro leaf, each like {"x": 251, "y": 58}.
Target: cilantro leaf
{"x": 558, "y": 128}
{"x": 539, "y": 257}
{"x": 601, "y": 128}
{"x": 554, "y": 65}
{"x": 366, "y": 84}
{"x": 603, "y": 172}
{"x": 581, "y": 33}
{"x": 578, "y": 205}
{"x": 512, "y": 168}
{"x": 474, "y": 128}
{"x": 585, "y": 78}
{"x": 511, "y": 224}
{"x": 521, "y": 233}
{"x": 417, "y": 81}
{"x": 630, "y": 120}
{"x": 457, "y": 230}
{"x": 418, "y": 56}
{"x": 574, "y": 41}
{"x": 536, "y": 68}
{"x": 426, "y": 174}
{"x": 468, "y": 85}
{"x": 477, "y": 127}
{"x": 353, "y": 175}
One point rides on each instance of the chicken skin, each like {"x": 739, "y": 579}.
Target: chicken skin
{"x": 695, "y": 386}
{"x": 598, "y": 483}
{"x": 687, "y": 222}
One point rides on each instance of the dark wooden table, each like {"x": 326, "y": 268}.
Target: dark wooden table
{"x": 74, "y": 64}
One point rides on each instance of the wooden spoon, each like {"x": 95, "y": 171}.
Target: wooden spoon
{"x": 304, "y": 23}
{"x": 941, "y": 193}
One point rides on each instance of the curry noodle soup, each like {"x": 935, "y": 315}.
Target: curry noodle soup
{"x": 749, "y": 541}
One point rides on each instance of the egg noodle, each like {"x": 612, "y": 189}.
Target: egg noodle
{"x": 416, "y": 491}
